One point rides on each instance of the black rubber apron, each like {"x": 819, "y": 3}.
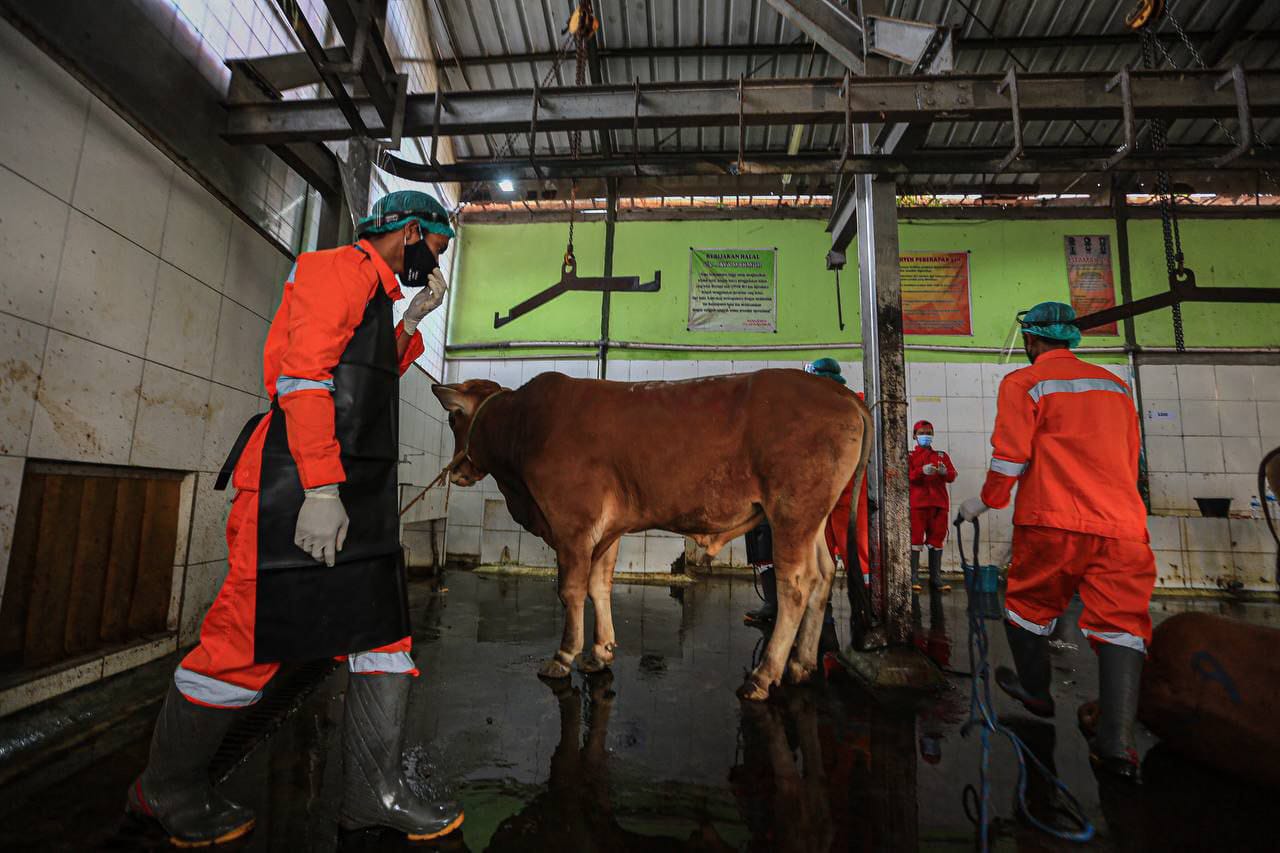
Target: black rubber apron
{"x": 305, "y": 609}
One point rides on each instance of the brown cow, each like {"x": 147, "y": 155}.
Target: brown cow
{"x": 582, "y": 462}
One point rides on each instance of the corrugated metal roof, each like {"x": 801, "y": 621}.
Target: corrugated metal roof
{"x": 493, "y": 29}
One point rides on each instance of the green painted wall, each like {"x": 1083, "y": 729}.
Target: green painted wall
{"x": 1012, "y": 266}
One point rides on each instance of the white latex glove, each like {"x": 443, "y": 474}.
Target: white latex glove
{"x": 972, "y": 508}
{"x": 425, "y": 301}
{"x": 930, "y": 469}
{"x": 322, "y": 524}
{"x": 940, "y": 469}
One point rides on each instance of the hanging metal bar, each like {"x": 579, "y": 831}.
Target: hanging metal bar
{"x": 1129, "y": 122}
{"x": 1010, "y": 84}
{"x": 1243, "y": 114}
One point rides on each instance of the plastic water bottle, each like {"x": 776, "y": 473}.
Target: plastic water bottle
{"x": 1255, "y": 507}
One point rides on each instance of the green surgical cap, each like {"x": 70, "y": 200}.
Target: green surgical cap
{"x": 1052, "y": 320}
{"x": 827, "y": 367}
{"x": 395, "y": 211}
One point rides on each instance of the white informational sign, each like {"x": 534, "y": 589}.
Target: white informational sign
{"x": 733, "y": 290}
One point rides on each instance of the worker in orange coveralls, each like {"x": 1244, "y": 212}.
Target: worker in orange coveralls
{"x": 929, "y": 472}
{"x": 1066, "y": 433}
{"x": 316, "y": 568}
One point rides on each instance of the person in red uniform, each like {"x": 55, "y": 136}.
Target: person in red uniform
{"x": 1066, "y": 434}
{"x": 929, "y": 472}
{"x": 315, "y": 563}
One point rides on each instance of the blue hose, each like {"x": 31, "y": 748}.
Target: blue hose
{"x": 982, "y": 714}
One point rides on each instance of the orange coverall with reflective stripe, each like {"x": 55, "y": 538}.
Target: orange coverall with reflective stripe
{"x": 323, "y": 303}
{"x": 1067, "y": 434}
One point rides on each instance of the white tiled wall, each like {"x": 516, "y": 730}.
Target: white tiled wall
{"x": 1207, "y": 428}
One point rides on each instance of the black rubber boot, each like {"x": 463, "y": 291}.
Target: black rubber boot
{"x": 768, "y": 611}
{"x": 935, "y": 571}
{"x": 915, "y": 571}
{"x": 1112, "y": 749}
{"x": 174, "y": 789}
{"x": 374, "y": 791}
{"x": 1030, "y": 683}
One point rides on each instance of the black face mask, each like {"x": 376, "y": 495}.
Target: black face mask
{"x": 419, "y": 261}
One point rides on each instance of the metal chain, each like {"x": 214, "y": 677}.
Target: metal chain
{"x": 1168, "y": 204}
{"x": 583, "y": 33}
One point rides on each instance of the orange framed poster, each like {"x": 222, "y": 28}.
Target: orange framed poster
{"x": 1089, "y": 277}
{"x": 935, "y": 293}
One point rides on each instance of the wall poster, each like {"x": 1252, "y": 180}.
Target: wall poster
{"x": 733, "y": 290}
{"x": 935, "y": 293}
{"x": 1089, "y": 277}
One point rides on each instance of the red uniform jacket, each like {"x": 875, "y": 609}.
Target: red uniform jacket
{"x": 1067, "y": 433}
{"x": 929, "y": 489}
{"x": 324, "y": 301}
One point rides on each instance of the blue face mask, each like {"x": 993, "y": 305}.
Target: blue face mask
{"x": 924, "y": 440}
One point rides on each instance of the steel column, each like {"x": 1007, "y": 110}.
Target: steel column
{"x": 610, "y": 226}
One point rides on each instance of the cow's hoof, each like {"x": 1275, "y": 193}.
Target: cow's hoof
{"x": 554, "y": 669}
{"x": 589, "y": 663}
{"x": 797, "y": 673}
{"x": 753, "y": 691}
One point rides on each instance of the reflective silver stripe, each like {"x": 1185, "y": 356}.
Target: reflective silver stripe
{"x": 1009, "y": 469}
{"x": 1041, "y": 630}
{"x": 1117, "y": 638}
{"x": 381, "y": 662}
{"x": 211, "y": 691}
{"x": 1074, "y": 386}
{"x": 289, "y": 384}
{"x": 293, "y": 271}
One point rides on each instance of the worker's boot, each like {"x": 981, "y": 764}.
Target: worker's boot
{"x": 1030, "y": 683}
{"x": 374, "y": 790}
{"x": 768, "y": 611}
{"x": 935, "y": 571}
{"x": 1112, "y": 750}
{"x": 915, "y": 571}
{"x": 174, "y": 789}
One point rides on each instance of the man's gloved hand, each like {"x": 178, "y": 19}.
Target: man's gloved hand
{"x": 322, "y": 524}
{"x": 940, "y": 469}
{"x": 425, "y": 301}
{"x": 972, "y": 508}
{"x": 930, "y": 469}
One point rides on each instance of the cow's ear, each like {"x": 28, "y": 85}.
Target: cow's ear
{"x": 453, "y": 398}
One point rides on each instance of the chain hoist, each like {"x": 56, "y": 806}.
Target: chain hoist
{"x": 582, "y": 26}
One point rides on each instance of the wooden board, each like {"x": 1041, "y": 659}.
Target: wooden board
{"x": 22, "y": 566}
{"x": 122, "y": 566}
{"x": 149, "y": 609}
{"x": 92, "y": 555}
{"x": 55, "y": 560}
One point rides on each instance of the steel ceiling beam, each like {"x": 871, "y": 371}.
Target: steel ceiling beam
{"x": 830, "y": 26}
{"x": 951, "y": 98}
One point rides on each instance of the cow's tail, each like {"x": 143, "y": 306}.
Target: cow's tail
{"x": 1266, "y": 504}
{"x": 860, "y": 472}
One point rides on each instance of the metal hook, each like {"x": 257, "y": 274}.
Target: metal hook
{"x": 1243, "y": 114}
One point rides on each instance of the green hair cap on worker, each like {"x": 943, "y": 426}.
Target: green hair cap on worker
{"x": 827, "y": 367}
{"x": 396, "y": 210}
{"x": 1052, "y": 320}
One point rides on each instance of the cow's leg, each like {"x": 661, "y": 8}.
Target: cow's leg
{"x": 804, "y": 654}
{"x": 795, "y": 564}
{"x": 574, "y": 563}
{"x": 600, "y": 588}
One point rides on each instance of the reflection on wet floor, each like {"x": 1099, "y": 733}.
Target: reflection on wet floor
{"x": 660, "y": 754}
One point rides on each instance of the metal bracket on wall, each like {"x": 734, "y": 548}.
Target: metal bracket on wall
{"x": 570, "y": 281}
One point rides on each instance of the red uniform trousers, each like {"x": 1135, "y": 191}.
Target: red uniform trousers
{"x": 837, "y": 529}
{"x": 1115, "y": 579}
{"x": 928, "y": 527}
{"x": 221, "y": 671}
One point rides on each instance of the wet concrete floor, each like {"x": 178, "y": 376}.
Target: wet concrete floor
{"x": 661, "y": 755}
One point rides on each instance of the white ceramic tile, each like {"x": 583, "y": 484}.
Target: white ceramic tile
{"x": 1269, "y": 418}
{"x": 31, "y": 244}
{"x": 928, "y": 408}
{"x": 714, "y": 368}
{"x": 1241, "y": 455}
{"x": 748, "y": 367}
{"x": 532, "y": 367}
{"x": 464, "y": 540}
{"x": 497, "y": 517}
{"x": 507, "y": 373}
{"x": 61, "y": 681}
{"x": 45, "y": 111}
{"x": 1206, "y": 486}
{"x": 201, "y": 588}
{"x": 209, "y": 521}
{"x": 1162, "y": 416}
{"x": 186, "y": 503}
{"x": 184, "y": 322}
{"x": 1169, "y": 568}
{"x": 1266, "y": 382}
{"x": 1165, "y": 453}
{"x": 499, "y": 546}
{"x": 105, "y": 287}
{"x": 618, "y": 370}
{"x": 237, "y": 356}
{"x": 1200, "y": 417}
{"x": 197, "y": 231}
{"x": 1235, "y": 381}
{"x": 675, "y": 370}
{"x": 1204, "y": 454}
{"x": 926, "y": 379}
{"x": 736, "y": 552}
{"x": 22, "y": 346}
{"x": 1166, "y": 532}
{"x": 661, "y": 552}
{"x": 229, "y": 409}
{"x": 631, "y": 553}
{"x": 535, "y": 552}
{"x": 1197, "y": 382}
{"x": 990, "y": 410}
{"x": 171, "y": 419}
{"x": 853, "y": 374}
{"x": 1242, "y": 488}
{"x": 646, "y": 371}
{"x": 466, "y": 507}
{"x": 252, "y": 275}
{"x": 123, "y": 180}
{"x": 1238, "y": 418}
{"x": 994, "y": 374}
{"x": 1159, "y": 381}
{"x": 1169, "y": 492}
{"x": 86, "y": 402}
{"x": 1251, "y": 536}
{"x": 136, "y": 656}
{"x": 1204, "y": 569}
{"x": 964, "y": 380}
{"x": 578, "y": 368}
{"x": 964, "y": 414}
{"x": 966, "y": 449}
{"x": 11, "y": 468}
{"x": 784, "y": 364}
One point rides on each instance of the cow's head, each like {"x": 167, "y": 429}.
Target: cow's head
{"x": 462, "y": 402}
